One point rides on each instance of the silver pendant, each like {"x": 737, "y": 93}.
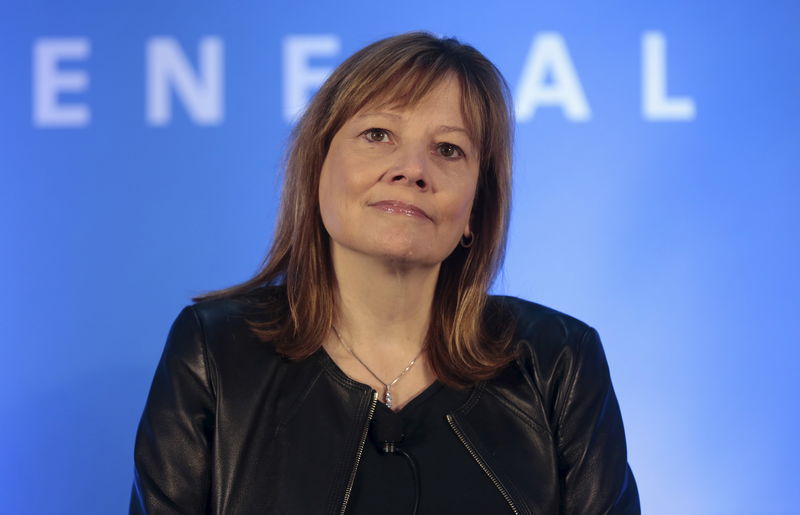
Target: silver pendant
{"x": 387, "y": 398}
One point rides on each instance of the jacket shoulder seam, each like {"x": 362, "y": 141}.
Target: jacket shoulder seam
{"x": 573, "y": 374}
{"x": 519, "y": 413}
{"x": 204, "y": 350}
{"x": 281, "y": 424}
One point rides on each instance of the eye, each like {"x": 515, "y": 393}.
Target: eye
{"x": 450, "y": 151}
{"x": 376, "y": 135}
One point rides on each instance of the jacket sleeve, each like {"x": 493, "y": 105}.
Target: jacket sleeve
{"x": 171, "y": 454}
{"x": 595, "y": 475}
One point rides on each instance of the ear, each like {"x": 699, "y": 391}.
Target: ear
{"x": 467, "y": 227}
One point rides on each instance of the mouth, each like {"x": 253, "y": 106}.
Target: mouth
{"x": 401, "y": 208}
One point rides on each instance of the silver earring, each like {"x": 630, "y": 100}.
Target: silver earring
{"x": 467, "y": 242}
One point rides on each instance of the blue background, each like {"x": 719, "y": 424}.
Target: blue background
{"x": 677, "y": 240}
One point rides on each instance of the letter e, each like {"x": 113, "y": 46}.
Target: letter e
{"x": 298, "y": 77}
{"x": 48, "y": 82}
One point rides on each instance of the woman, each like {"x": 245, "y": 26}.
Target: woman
{"x": 365, "y": 369}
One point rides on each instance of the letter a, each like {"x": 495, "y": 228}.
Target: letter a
{"x": 549, "y": 55}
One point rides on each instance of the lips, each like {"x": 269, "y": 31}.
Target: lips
{"x": 401, "y": 208}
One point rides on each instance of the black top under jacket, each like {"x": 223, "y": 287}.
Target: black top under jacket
{"x": 450, "y": 479}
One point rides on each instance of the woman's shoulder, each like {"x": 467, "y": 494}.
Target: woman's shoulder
{"x": 228, "y": 320}
{"x": 261, "y": 301}
{"x": 543, "y": 330}
{"x": 554, "y": 348}
{"x": 532, "y": 316}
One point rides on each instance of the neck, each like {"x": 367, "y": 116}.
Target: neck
{"x": 382, "y": 305}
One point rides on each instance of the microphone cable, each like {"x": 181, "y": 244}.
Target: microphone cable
{"x": 386, "y": 432}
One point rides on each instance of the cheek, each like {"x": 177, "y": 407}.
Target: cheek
{"x": 338, "y": 189}
{"x": 347, "y": 176}
{"x": 461, "y": 204}
{"x": 328, "y": 194}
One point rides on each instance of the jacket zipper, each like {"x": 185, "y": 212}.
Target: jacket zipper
{"x": 482, "y": 464}
{"x": 364, "y": 433}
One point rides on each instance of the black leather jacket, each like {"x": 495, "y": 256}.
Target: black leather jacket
{"x": 232, "y": 427}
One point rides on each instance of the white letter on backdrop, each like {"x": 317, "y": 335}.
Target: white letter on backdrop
{"x": 548, "y": 54}
{"x": 48, "y": 82}
{"x": 167, "y": 69}
{"x": 656, "y": 105}
{"x": 298, "y": 77}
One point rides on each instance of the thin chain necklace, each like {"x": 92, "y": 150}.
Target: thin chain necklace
{"x": 387, "y": 393}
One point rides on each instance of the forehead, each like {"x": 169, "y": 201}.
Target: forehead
{"x": 445, "y": 91}
{"x": 445, "y": 94}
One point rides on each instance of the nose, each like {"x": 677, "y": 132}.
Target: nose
{"x": 410, "y": 168}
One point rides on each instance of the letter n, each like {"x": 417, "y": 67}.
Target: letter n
{"x": 169, "y": 71}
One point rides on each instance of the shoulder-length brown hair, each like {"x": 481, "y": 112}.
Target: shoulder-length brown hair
{"x": 467, "y": 340}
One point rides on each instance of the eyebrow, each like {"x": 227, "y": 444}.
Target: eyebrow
{"x": 378, "y": 113}
{"x": 441, "y": 128}
{"x": 449, "y": 128}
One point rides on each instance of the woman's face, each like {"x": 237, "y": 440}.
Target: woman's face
{"x": 399, "y": 183}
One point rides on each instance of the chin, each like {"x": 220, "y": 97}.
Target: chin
{"x": 398, "y": 247}
{"x": 408, "y": 252}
